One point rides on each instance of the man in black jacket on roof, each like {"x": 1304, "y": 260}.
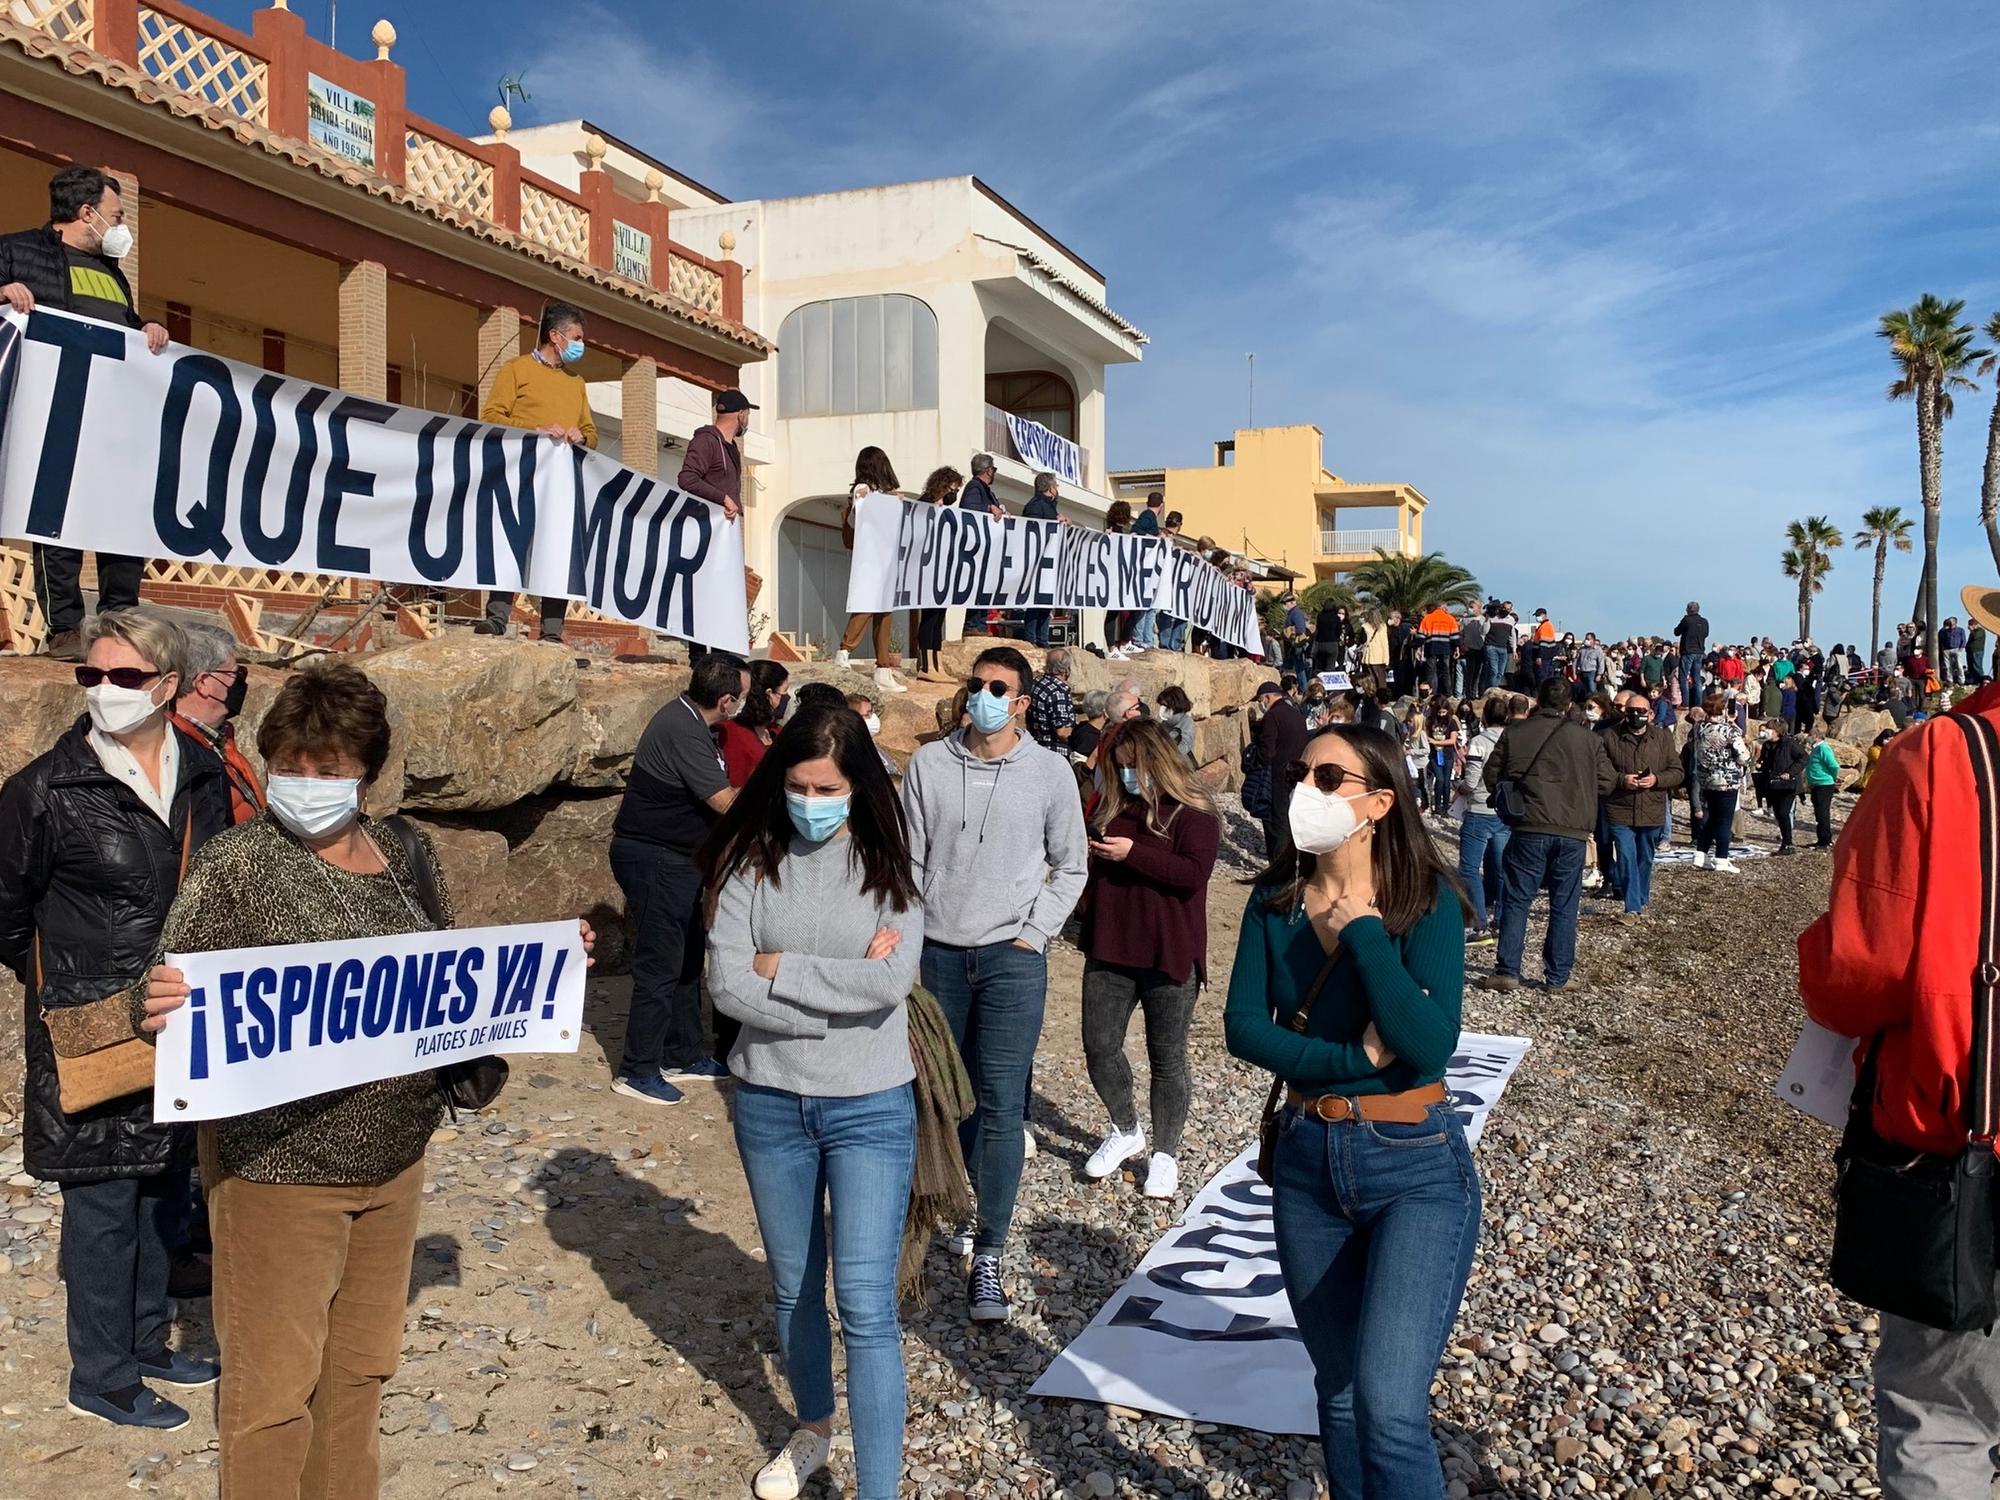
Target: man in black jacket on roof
{"x": 1692, "y": 633}
{"x": 71, "y": 264}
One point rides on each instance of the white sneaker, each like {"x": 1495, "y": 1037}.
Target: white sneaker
{"x": 1133, "y": 648}
{"x": 1726, "y": 867}
{"x": 1028, "y": 1146}
{"x": 1118, "y": 1148}
{"x": 784, "y": 1476}
{"x": 1163, "y": 1176}
{"x": 888, "y": 682}
{"x": 1114, "y": 654}
{"x": 1703, "y": 860}
{"x": 959, "y": 1241}
{"x": 840, "y": 658}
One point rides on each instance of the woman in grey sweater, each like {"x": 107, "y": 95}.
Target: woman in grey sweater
{"x": 814, "y": 945}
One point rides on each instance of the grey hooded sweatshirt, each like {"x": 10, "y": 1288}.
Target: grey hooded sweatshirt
{"x": 998, "y": 844}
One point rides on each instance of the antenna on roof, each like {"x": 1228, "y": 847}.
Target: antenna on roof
{"x": 513, "y": 86}
{"x": 1252, "y": 423}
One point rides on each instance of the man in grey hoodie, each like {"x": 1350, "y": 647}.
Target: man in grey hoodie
{"x": 999, "y": 879}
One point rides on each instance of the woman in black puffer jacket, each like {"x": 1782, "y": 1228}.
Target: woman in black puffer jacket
{"x": 92, "y": 835}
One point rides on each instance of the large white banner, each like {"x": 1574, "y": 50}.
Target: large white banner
{"x": 186, "y": 455}
{"x": 264, "y": 1026}
{"x": 1202, "y": 1329}
{"x": 908, "y": 555}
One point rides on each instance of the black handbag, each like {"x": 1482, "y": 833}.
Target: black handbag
{"x": 1914, "y": 1231}
{"x": 475, "y": 1083}
{"x": 1510, "y": 793}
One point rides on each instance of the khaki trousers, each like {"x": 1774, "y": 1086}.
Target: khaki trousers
{"x": 885, "y": 630}
{"x": 310, "y": 1287}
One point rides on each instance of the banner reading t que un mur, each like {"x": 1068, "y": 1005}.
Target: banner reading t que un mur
{"x": 909, "y": 555}
{"x": 265, "y": 1026}
{"x": 185, "y": 455}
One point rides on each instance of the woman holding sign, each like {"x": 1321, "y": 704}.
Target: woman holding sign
{"x": 1349, "y": 978}
{"x": 313, "y": 1205}
{"x": 815, "y": 942}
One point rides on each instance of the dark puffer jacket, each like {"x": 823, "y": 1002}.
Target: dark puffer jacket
{"x": 87, "y": 865}
{"x": 38, "y": 260}
{"x": 1562, "y": 768}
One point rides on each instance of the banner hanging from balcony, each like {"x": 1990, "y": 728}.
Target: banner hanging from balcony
{"x": 184, "y": 455}
{"x": 1041, "y": 449}
{"x": 913, "y": 556}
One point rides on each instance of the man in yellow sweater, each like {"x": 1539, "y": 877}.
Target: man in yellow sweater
{"x": 538, "y": 390}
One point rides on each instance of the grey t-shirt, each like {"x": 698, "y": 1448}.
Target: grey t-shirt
{"x": 675, "y": 770}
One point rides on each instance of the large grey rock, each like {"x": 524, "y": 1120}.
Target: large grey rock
{"x": 616, "y": 704}
{"x": 42, "y": 700}
{"x": 1859, "y": 726}
{"x": 558, "y": 865}
{"x": 474, "y": 864}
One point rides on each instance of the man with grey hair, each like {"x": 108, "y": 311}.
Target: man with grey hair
{"x": 1041, "y": 506}
{"x": 213, "y": 686}
{"x": 1051, "y": 707}
{"x": 978, "y": 492}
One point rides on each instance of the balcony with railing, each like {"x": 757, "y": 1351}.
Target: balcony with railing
{"x": 1000, "y": 442}
{"x": 351, "y": 110}
{"x": 1363, "y": 543}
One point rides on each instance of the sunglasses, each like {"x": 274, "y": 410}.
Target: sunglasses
{"x": 999, "y": 687}
{"x": 123, "y": 677}
{"x": 1328, "y": 776}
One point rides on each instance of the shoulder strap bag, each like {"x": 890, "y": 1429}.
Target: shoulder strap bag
{"x": 475, "y": 1083}
{"x": 1510, "y": 793}
{"x": 1267, "y": 1126}
{"x": 1913, "y": 1231}
{"x": 98, "y": 1057}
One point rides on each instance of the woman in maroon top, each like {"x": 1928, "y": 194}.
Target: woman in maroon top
{"x": 1153, "y": 837}
{"x": 743, "y": 740}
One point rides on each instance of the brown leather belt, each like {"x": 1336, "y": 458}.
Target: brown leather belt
{"x": 1411, "y": 1107}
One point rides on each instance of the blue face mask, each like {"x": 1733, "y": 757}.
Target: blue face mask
{"x": 817, "y": 818}
{"x": 1128, "y": 777}
{"x": 572, "y": 351}
{"x": 989, "y": 714}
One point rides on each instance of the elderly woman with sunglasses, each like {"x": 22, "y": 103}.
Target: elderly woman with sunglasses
{"x": 95, "y": 835}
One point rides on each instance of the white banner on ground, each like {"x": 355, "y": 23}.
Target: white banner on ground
{"x": 908, "y": 555}
{"x": 264, "y": 1026}
{"x": 187, "y": 456}
{"x": 1202, "y": 1329}
{"x": 1041, "y": 449}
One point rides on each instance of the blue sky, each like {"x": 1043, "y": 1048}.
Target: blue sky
{"x": 1601, "y": 280}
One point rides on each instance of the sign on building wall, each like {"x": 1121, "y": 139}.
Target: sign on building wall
{"x": 631, "y": 252}
{"x": 340, "y": 120}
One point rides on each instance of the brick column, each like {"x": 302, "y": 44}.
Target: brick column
{"x": 639, "y": 426}
{"x": 364, "y": 329}
{"x": 499, "y": 341}
{"x": 128, "y": 197}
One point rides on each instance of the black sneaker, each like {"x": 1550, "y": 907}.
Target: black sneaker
{"x": 488, "y": 627}
{"x": 189, "y": 1277}
{"x": 985, "y": 1300}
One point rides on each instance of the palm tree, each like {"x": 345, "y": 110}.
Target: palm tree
{"x": 1882, "y": 527}
{"x": 1809, "y": 559}
{"x": 1412, "y": 584}
{"x": 1933, "y": 350}
{"x": 1989, "y": 484}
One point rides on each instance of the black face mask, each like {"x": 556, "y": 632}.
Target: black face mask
{"x": 239, "y": 689}
{"x": 1638, "y": 718}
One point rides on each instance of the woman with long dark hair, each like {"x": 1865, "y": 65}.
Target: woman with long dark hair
{"x": 927, "y": 625}
{"x": 1348, "y": 984}
{"x": 816, "y": 937}
{"x": 744, "y": 739}
{"x": 1118, "y": 622}
{"x": 873, "y": 475}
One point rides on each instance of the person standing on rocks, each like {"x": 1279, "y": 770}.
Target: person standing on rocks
{"x": 817, "y": 934}
{"x": 1559, "y": 770}
{"x": 1648, "y": 768}
{"x": 1153, "y": 842}
{"x": 1721, "y": 761}
{"x": 677, "y": 789}
{"x": 873, "y": 475}
{"x": 1348, "y": 984}
{"x": 996, "y": 890}
{"x": 1692, "y": 636}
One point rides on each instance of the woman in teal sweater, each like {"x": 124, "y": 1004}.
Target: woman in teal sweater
{"x": 1360, "y": 925}
{"x": 1822, "y": 780}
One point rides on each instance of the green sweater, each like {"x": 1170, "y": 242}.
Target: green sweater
{"x": 1412, "y": 987}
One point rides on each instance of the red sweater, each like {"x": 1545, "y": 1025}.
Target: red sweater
{"x": 1894, "y": 954}
{"x": 1150, "y": 909}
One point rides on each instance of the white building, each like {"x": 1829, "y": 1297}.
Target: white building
{"x": 912, "y": 317}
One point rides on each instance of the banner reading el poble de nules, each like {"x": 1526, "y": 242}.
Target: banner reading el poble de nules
{"x": 184, "y": 455}
{"x": 265, "y": 1026}
{"x": 909, "y": 555}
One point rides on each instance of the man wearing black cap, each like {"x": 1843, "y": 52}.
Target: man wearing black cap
{"x": 714, "y": 465}
{"x": 1281, "y": 743}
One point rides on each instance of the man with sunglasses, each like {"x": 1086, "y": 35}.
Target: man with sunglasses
{"x": 999, "y": 879}
{"x": 208, "y": 706}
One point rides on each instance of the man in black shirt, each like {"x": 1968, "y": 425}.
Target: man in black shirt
{"x": 71, "y": 263}
{"x": 1692, "y": 633}
{"x": 675, "y": 793}
{"x": 1281, "y": 743}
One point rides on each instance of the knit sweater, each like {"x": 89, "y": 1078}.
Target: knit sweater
{"x": 833, "y": 1023}
{"x": 1411, "y": 987}
{"x": 528, "y": 393}
{"x": 256, "y": 886}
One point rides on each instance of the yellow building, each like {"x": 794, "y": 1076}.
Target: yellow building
{"x": 1268, "y": 494}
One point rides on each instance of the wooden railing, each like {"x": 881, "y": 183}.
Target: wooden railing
{"x": 353, "y": 110}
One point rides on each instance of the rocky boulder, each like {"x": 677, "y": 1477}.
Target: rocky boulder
{"x": 42, "y": 700}
{"x": 1859, "y": 726}
{"x": 559, "y": 865}
{"x": 616, "y": 704}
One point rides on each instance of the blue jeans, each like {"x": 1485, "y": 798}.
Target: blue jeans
{"x": 1143, "y": 628}
{"x": 1482, "y": 840}
{"x": 1495, "y": 674}
{"x": 1440, "y": 769}
{"x": 992, "y": 997}
{"x": 1690, "y": 670}
{"x": 801, "y": 1155}
{"x": 1607, "y": 856}
{"x": 1635, "y": 848}
{"x": 1173, "y": 634}
{"x": 1717, "y": 829}
{"x": 1035, "y": 626}
{"x": 1376, "y": 1225}
{"x": 1532, "y": 861}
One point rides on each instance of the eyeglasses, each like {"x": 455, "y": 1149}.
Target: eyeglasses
{"x": 1329, "y": 776}
{"x": 241, "y": 674}
{"x": 999, "y": 687}
{"x": 124, "y": 677}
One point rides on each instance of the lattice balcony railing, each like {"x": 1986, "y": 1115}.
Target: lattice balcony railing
{"x": 251, "y": 580}
{"x": 65, "y": 20}
{"x": 561, "y": 225}
{"x": 204, "y": 66}
{"x": 439, "y": 171}
{"x": 694, "y": 283}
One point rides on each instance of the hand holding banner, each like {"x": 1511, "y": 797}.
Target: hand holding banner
{"x": 265, "y": 1026}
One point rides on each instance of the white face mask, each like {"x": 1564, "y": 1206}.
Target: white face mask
{"x": 874, "y": 723}
{"x": 314, "y": 806}
{"x": 114, "y": 240}
{"x": 116, "y": 710}
{"x": 1321, "y": 822}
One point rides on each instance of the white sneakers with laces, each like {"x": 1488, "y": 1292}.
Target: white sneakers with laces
{"x": 1163, "y": 1176}
{"x": 1726, "y": 867}
{"x": 786, "y": 1475}
{"x": 1117, "y": 1149}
